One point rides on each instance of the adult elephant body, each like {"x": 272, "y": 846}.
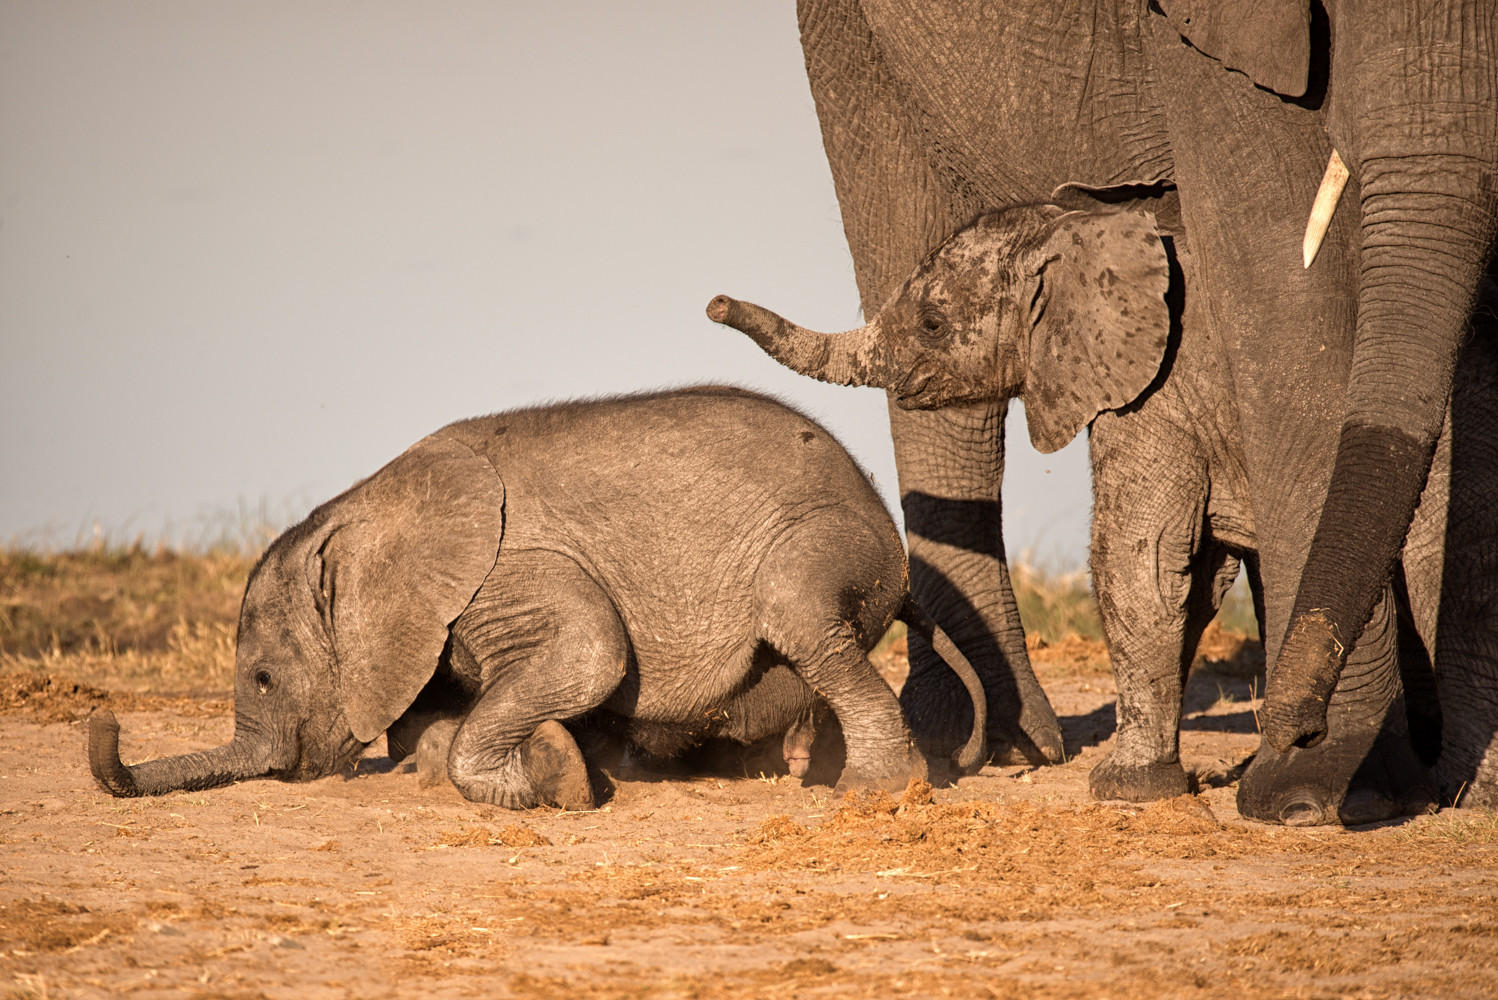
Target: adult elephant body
{"x": 933, "y": 112}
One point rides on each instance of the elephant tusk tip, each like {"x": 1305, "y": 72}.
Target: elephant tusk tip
{"x": 1327, "y": 195}
{"x": 717, "y": 309}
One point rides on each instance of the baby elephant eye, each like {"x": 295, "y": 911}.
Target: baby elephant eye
{"x": 932, "y": 326}
{"x": 264, "y": 681}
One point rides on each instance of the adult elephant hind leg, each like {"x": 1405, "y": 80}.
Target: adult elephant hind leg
{"x": 1451, "y": 567}
{"x": 951, "y": 465}
{"x": 552, "y": 648}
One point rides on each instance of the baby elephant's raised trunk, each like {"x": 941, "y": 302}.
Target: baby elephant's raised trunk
{"x": 857, "y": 357}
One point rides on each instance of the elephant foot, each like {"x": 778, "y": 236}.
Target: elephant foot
{"x": 554, "y": 765}
{"x": 431, "y": 752}
{"x": 1011, "y": 747}
{"x": 1390, "y": 783}
{"x": 1328, "y": 784}
{"x": 1042, "y": 732}
{"x": 1034, "y": 738}
{"x": 1113, "y": 779}
{"x": 1464, "y": 784}
{"x": 889, "y": 780}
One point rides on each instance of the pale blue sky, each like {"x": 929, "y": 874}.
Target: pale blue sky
{"x": 249, "y": 252}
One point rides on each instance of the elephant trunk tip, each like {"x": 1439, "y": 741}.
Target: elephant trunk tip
{"x": 718, "y": 308}
{"x": 104, "y": 755}
{"x": 1301, "y": 683}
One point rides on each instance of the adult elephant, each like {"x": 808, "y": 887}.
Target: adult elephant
{"x": 933, "y": 111}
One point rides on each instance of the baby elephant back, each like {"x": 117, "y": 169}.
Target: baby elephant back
{"x": 675, "y": 501}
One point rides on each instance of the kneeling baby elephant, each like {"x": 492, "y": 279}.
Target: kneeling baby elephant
{"x": 696, "y": 563}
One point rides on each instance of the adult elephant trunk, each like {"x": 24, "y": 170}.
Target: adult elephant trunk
{"x": 951, "y": 467}
{"x": 857, "y": 357}
{"x": 1425, "y": 141}
{"x": 234, "y": 761}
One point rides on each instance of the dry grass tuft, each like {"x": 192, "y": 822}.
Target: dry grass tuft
{"x": 777, "y": 827}
{"x": 1055, "y": 606}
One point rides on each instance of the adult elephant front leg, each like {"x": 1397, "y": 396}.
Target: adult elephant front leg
{"x": 951, "y": 464}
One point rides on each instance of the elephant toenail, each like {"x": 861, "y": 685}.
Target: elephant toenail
{"x": 1301, "y": 812}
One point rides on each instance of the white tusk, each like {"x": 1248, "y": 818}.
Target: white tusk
{"x": 1332, "y": 183}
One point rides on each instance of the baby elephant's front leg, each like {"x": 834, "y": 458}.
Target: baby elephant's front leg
{"x": 551, "y": 648}
{"x": 546, "y": 768}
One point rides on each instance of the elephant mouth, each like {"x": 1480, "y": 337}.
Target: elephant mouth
{"x": 306, "y": 757}
{"x": 929, "y": 387}
{"x": 915, "y": 390}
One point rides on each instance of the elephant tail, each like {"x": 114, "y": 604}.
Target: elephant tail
{"x": 974, "y": 753}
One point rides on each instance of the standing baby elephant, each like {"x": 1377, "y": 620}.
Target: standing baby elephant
{"x": 664, "y": 558}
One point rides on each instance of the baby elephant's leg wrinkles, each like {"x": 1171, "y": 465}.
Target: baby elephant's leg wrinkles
{"x": 551, "y": 647}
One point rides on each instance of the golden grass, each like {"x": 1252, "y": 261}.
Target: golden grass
{"x": 129, "y": 619}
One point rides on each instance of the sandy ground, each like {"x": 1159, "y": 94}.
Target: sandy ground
{"x": 1010, "y": 883}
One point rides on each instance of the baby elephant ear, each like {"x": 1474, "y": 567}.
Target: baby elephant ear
{"x": 1099, "y": 322}
{"x": 415, "y": 542}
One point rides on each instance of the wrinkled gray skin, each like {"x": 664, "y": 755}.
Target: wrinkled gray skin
{"x": 778, "y": 716}
{"x": 777, "y": 722}
{"x": 935, "y": 111}
{"x": 1083, "y": 314}
{"x": 655, "y": 557}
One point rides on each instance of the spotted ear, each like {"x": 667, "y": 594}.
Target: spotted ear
{"x": 413, "y": 544}
{"x": 1267, "y": 40}
{"x": 1099, "y": 323}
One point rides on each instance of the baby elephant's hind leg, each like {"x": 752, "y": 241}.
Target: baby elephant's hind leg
{"x": 552, "y": 648}
{"x": 823, "y": 595}
{"x": 830, "y": 657}
{"x": 880, "y": 750}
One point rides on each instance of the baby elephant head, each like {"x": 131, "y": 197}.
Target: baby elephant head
{"x": 1063, "y": 308}
{"x": 343, "y": 622}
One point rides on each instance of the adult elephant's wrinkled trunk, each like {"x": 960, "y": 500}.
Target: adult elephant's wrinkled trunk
{"x": 1425, "y": 141}
{"x": 234, "y": 761}
{"x": 857, "y": 357}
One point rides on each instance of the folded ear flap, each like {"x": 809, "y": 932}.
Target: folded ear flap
{"x": 1099, "y": 322}
{"x": 1267, "y": 40}
{"x": 414, "y": 543}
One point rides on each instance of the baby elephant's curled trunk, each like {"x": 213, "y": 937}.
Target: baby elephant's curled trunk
{"x": 187, "y": 772}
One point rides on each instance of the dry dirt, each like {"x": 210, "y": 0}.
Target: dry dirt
{"x": 1009, "y": 884}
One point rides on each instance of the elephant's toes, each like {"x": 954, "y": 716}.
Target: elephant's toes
{"x": 1390, "y": 783}
{"x": 890, "y": 779}
{"x": 431, "y": 752}
{"x": 555, "y": 767}
{"x": 1112, "y": 779}
{"x": 1367, "y": 805}
{"x": 1294, "y": 790}
{"x": 1306, "y": 805}
{"x": 1044, "y": 736}
{"x": 1012, "y": 744}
